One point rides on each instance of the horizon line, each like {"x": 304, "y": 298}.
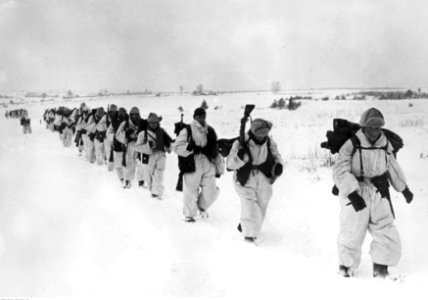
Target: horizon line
{"x": 220, "y": 91}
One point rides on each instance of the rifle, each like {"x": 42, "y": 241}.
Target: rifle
{"x": 177, "y": 128}
{"x": 244, "y": 172}
{"x": 110, "y": 159}
{"x": 125, "y": 148}
{"x": 247, "y": 111}
{"x": 381, "y": 183}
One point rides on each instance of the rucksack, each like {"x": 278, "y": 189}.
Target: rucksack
{"x": 224, "y": 146}
{"x": 344, "y": 130}
{"x": 185, "y": 164}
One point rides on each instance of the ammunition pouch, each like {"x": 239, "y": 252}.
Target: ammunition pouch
{"x": 381, "y": 183}
{"x": 91, "y": 136}
{"x": 186, "y": 164}
{"x": 100, "y": 136}
{"x": 144, "y": 158}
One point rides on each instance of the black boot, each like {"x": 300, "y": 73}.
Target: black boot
{"x": 239, "y": 227}
{"x": 344, "y": 271}
{"x": 380, "y": 271}
{"x": 189, "y": 219}
{"x": 141, "y": 183}
{"x": 127, "y": 184}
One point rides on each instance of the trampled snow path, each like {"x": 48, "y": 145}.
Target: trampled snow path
{"x": 67, "y": 228}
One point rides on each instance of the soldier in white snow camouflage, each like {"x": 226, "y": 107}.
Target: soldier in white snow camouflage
{"x": 198, "y": 144}
{"x": 362, "y": 206}
{"x": 254, "y": 174}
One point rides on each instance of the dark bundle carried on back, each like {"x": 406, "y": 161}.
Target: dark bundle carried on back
{"x": 64, "y": 111}
{"x": 224, "y": 146}
{"x": 184, "y": 163}
{"x": 179, "y": 126}
{"x": 343, "y": 130}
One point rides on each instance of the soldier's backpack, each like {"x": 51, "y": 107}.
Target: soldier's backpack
{"x": 344, "y": 130}
{"x": 224, "y": 145}
{"x": 185, "y": 164}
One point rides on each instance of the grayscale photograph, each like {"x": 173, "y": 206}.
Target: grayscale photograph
{"x": 242, "y": 149}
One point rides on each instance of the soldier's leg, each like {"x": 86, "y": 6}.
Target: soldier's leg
{"x": 191, "y": 183}
{"x": 117, "y": 161}
{"x": 385, "y": 248}
{"x": 209, "y": 190}
{"x": 159, "y": 164}
{"x": 352, "y": 231}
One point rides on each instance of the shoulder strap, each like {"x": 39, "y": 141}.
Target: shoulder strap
{"x": 189, "y": 132}
{"x": 386, "y": 152}
{"x": 357, "y": 145}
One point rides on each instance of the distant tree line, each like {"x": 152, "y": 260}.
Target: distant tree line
{"x": 386, "y": 95}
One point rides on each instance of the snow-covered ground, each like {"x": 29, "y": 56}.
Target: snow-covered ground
{"x": 68, "y": 229}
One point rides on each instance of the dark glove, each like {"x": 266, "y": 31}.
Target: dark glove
{"x": 191, "y": 146}
{"x": 241, "y": 153}
{"x": 408, "y": 195}
{"x": 91, "y": 136}
{"x": 277, "y": 169}
{"x": 356, "y": 201}
{"x": 335, "y": 190}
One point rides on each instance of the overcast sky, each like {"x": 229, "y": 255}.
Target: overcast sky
{"x": 88, "y": 45}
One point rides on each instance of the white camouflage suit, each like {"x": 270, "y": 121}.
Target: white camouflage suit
{"x": 88, "y": 143}
{"x": 154, "y": 170}
{"x": 130, "y": 156}
{"x": 377, "y": 217}
{"x": 81, "y": 125}
{"x": 199, "y": 188}
{"x": 257, "y": 192}
{"x": 100, "y": 149}
{"x": 57, "y": 123}
{"x": 117, "y": 156}
{"x": 67, "y": 133}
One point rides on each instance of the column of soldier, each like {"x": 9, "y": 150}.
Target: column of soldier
{"x": 137, "y": 147}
